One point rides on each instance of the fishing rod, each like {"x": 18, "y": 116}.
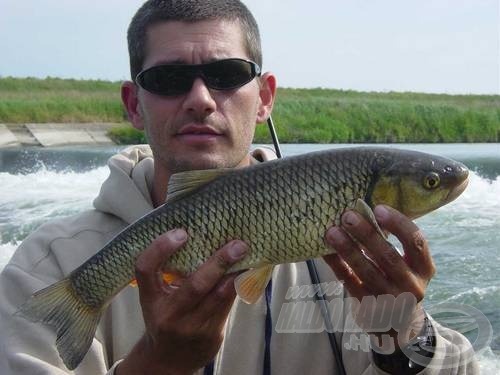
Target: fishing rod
{"x": 274, "y": 136}
{"x": 319, "y": 296}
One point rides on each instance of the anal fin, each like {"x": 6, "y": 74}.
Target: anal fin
{"x": 250, "y": 285}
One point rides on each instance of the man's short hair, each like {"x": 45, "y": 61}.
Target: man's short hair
{"x": 156, "y": 11}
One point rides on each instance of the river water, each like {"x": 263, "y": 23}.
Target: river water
{"x": 37, "y": 185}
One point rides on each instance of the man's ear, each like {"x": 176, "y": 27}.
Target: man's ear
{"x": 131, "y": 103}
{"x": 267, "y": 94}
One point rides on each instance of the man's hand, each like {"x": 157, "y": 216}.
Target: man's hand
{"x": 371, "y": 266}
{"x": 184, "y": 324}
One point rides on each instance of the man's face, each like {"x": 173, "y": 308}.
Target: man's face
{"x": 203, "y": 128}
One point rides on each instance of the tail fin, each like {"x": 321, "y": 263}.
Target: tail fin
{"x": 75, "y": 322}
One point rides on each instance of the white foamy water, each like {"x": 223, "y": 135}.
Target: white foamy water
{"x": 482, "y": 197}
{"x": 45, "y": 193}
{"x": 29, "y": 200}
{"x": 489, "y": 362}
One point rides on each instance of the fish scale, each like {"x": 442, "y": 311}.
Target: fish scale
{"x": 281, "y": 209}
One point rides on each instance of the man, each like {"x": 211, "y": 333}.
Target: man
{"x": 198, "y": 96}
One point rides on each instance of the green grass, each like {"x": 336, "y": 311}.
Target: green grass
{"x": 127, "y": 135}
{"x": 300, "y": 115}
{"x": 331, "y": 116}
{"x": 59, "y": 100}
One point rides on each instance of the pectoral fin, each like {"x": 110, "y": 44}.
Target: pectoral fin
{"x": 251, "y": 284}
{"x": 364, "y": 210}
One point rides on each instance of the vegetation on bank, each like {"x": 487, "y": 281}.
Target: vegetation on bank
{"x": 300, "y": 115}
{"x": 31, "y": 100}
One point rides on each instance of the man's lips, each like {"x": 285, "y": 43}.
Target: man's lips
{"x": 198, "y": 130}
{"x": 198, "y": 133}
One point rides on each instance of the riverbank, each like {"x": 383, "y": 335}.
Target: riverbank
{"x": 300, "y": 115}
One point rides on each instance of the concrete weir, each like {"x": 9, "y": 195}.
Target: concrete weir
{"x": 7, "y": 138}
{"x": 50, "y": 135}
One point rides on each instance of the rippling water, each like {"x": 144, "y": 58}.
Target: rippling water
{"x": 37, "y": 185}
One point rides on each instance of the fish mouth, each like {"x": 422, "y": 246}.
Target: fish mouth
{"x": 457, "y": 190}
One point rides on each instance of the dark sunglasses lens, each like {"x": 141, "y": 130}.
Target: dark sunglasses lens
{"x": 170, "y": 80}
{"x": 228, "y": 74}
{"x": 167, "y": 80}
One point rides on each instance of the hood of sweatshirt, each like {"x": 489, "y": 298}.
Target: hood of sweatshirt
{"x": 126, "y": 191}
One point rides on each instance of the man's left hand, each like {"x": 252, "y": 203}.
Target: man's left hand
{"x": 369, "y": 265}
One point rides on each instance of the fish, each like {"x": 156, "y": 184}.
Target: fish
{"x": 280, "y": 208}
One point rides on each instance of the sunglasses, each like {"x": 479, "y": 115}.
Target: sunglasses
{"x": 177, "y": 79}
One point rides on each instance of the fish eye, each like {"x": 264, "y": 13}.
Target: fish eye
{"x": 431, "y": 180}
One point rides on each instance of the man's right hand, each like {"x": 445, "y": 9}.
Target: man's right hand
{"x": 184, "y": 325}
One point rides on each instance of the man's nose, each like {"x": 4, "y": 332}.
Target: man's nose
{"x": 199, "y": 99}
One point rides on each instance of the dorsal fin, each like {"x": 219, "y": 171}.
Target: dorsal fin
{"x": 182, "y": 183}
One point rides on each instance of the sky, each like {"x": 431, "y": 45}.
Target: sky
{"x": 434, "y": 46}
